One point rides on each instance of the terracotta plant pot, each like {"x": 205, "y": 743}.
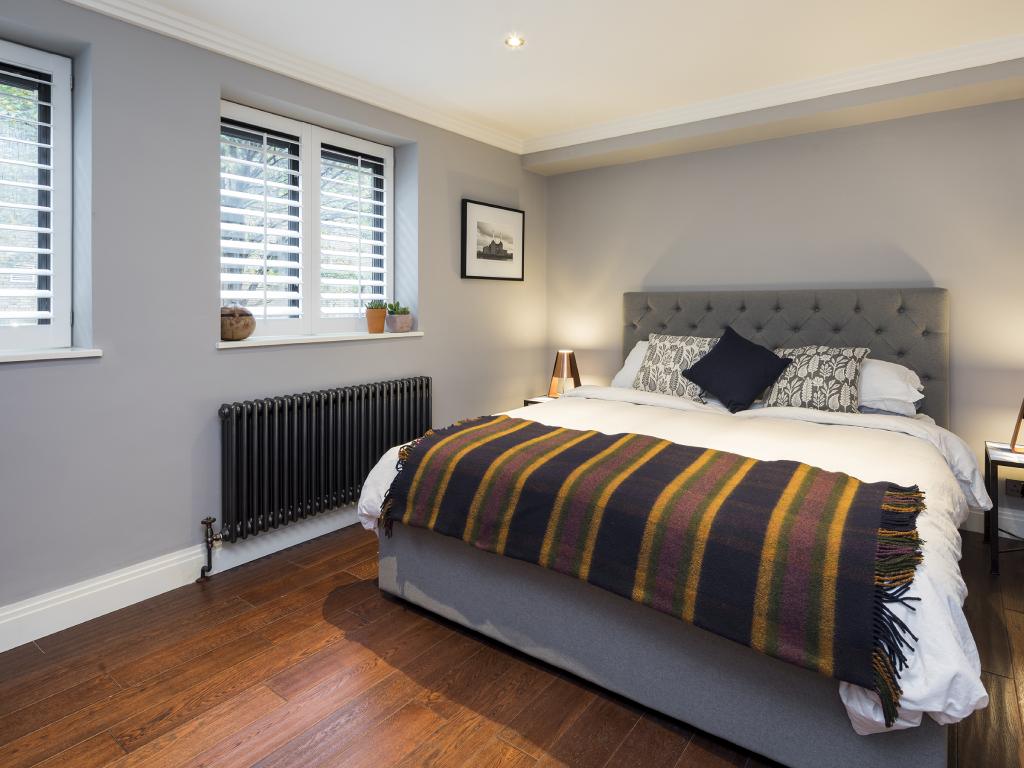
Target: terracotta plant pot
{"x": 375, "y": 320}
{"x": 399, "y": 323}
{"x": 236, "y": 323}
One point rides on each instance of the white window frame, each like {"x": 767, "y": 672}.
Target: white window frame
{"x": 320, "y": 137}
{"x": 311, "y": 140}
{"x": 288, "y": 325}
{"x": 58, "y": 332}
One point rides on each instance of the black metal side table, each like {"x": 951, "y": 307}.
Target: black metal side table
{"x": 997, "y": 455}
{"x": 538, "y": 400}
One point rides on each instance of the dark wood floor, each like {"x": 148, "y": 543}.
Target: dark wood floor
{"x": 297, "y": 660}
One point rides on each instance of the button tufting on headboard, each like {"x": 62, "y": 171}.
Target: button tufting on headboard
{"x": 905, "y": 325}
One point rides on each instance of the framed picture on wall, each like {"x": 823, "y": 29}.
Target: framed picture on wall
{"x": 492, "y": 241}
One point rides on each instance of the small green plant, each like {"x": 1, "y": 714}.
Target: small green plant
{"x": 397, "y": 309}
{"x": 376, "y": 304}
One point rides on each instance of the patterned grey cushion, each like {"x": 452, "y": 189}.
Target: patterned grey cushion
{"x": 823, "y": 378}
{"x": 666, "y": 359}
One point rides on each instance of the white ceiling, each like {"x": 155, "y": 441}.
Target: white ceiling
{"x": 591, "y": 69}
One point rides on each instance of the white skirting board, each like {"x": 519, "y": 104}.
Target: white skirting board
{"x": 38, "y": 616}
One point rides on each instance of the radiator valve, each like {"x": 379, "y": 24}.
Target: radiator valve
{"x": 212, "y": 539}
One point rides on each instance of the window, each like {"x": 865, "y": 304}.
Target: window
{"x": 305, "y": 223}
{"x": 35, "y": 199}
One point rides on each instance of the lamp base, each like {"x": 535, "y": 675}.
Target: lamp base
{"x": 560, "y": 386}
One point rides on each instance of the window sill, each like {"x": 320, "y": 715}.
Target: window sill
{"x": 276, "y": 341}
{"x": 60, "y": 353}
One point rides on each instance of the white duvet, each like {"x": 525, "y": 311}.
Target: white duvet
{"x": 944, "y": 676}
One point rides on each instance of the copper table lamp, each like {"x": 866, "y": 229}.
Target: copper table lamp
{"x": 565, "y": 369}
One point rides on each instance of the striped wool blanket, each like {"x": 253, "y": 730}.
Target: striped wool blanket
{"x": 793, "y": 561}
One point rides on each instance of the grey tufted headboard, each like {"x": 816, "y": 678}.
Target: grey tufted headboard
{"x": 909, "y": 326}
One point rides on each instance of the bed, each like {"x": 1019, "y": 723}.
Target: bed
{"x": 690, "y": 674}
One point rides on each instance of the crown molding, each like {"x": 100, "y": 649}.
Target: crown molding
{"x": 156, "y": 18}
{"x": 888, "y": 73}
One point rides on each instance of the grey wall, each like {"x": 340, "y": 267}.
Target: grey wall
{"x": 104, "y": 463}
{"x": 931, "y": 200}
{"x": 108, "y": 462}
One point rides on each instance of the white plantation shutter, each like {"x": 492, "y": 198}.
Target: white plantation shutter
{"x": 260, "y": 219}
{"x": 354, "y": 237}
{"x": 305, "y": 233}
{"x": 35, "y": 199}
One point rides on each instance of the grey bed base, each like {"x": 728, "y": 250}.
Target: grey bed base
{"x": 775, "y": 709}
{"x": 778, "y": 710}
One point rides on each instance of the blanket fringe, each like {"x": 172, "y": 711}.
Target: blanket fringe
{"x": 403, "y": 456}
{"x": 896, "y": 559}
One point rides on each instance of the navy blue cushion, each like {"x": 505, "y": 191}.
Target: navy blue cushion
{"x": 736, "y": 370}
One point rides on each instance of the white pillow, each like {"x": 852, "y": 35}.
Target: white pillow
{"x": 898, "y": 407}
{"x": 889, "y": 387}
{"x": 627, "y": 374}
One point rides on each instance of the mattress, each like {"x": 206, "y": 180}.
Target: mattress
{"x": 943, "y": 679}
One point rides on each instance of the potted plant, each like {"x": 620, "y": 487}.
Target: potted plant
{"x": 399, "y": 320}
{"x": 376, "y": 310}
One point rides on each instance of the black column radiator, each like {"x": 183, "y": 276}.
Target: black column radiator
{"x": 287, "y": 458}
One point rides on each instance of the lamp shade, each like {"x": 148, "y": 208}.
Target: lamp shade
{"x": 1016, "y": 441}
{"x": 565, "y": 368}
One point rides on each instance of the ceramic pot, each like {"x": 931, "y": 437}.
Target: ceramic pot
{"x": 399, "y": 323}
{"x": 375, "y": 320}
{"x": 236, "y": 323}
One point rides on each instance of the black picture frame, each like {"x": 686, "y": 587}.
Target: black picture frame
{"x": 470, "y": 259}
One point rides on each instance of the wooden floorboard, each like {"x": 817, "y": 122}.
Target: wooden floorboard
{"x": 76, "y": 663}
{"x": 97, "y": 751}
{"x": 331, "y": 723}
{"x": 203, "y": 731}
{"x": 499, "y": 754}
{"x": 706, "y": 752}
{"x": 594, "y": 736}
{"x": 984, "y": 609}
{"x": 34, "y": 716}
{"x": 91, "y": 719}
{"x": 298, "y": 660}
{"x": 535, "y": 729}
{"x": 20, "y": 659}
{"x": 654, "y": 742}
{"x": 1011, "y": 577}
{"x": 993, "y": 735}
